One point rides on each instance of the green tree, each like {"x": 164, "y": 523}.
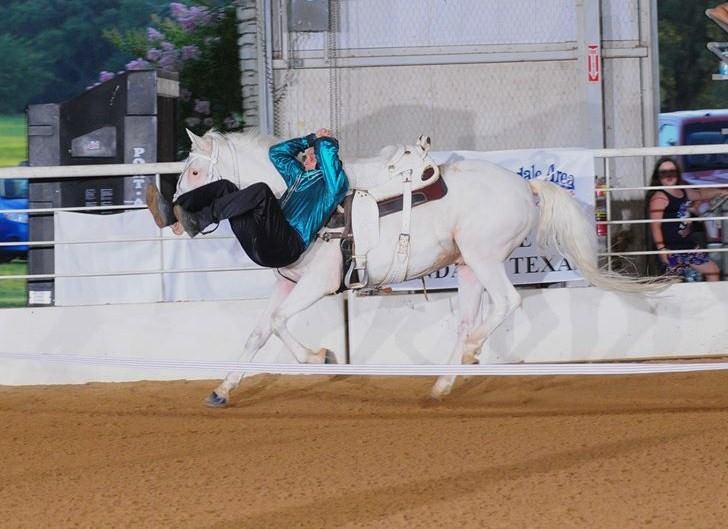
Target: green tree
{"x": 199, "y": 42}
{"x": 66, "y": 37}
{"x": 22, "y": 75}
{"x": 686, "y": 65}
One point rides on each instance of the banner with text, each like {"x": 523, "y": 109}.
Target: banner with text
{"x": 572, "y": 169}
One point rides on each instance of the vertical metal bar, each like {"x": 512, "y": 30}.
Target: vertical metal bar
{"x": 590, "y": 70}
{"x": 265, "y": 66}
{"x": 161, "y": 248}
{"x": 608, "y": 198}
{"x": 649, "y": 71}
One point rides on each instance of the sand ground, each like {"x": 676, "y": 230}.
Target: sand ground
{"x": 354, "y": 452}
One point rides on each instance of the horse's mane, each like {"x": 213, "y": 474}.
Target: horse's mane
{"x": 252, "y": 139}
{"x": 361, "y": 171}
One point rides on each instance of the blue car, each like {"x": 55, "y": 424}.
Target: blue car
{"x": 13, "y": 226}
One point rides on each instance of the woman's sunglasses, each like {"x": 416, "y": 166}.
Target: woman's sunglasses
{"x": 664, "y": 173}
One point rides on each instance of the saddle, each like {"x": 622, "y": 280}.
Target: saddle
{"x": 410, "y": 178}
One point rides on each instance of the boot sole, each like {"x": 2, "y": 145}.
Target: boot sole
{"x": 180, "y": 214}
{"x": 152, "y": 198}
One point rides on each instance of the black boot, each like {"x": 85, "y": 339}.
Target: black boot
{"x": 193, "y": 223}
{"x": 160, "y": 207}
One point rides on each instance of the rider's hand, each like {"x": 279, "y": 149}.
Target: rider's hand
{"x": 177, "y": 228}
{"x": 323, "y": 133}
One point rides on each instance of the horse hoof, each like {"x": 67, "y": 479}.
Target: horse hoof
{"x": 330, "y": 357}
{"x": 327, "y": 355}
{"x": 470, "y": 359}
{"x": 216, "y": 401}
{"x": 438, "y": 393}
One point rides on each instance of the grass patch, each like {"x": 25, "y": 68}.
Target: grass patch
{"x": 12, "y": 291}
{"x": 13, "y": 140}
{"x": 13, "y": 150}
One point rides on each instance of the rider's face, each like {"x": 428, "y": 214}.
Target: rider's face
{"x": 309, "y": 159}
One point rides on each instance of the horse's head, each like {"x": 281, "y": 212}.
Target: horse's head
{"x": 205, "y": 162}
{"x": 241, "y": 158}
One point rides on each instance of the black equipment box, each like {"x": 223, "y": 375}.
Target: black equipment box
{"x": 128, "y": 119}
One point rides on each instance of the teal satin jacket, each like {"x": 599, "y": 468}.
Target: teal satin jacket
{"x": 313, "y": 195}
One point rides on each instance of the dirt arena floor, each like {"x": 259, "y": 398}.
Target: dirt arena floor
{"x": 325, "y": 452}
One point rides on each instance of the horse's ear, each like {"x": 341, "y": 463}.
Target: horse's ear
{"x": 424, "y": 143}
{"x": 203, "y": 145}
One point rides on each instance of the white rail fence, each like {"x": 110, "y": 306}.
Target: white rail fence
{"x": 372, "y": 369}
{"x": 80, "y": 171}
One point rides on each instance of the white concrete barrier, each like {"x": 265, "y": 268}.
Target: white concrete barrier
{"x": 553, "y": 325}
{"x": 174, "y": 331}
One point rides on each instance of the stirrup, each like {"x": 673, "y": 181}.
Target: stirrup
{"x": 362, "y": 275}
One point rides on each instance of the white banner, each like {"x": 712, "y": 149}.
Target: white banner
{"x": 219, "y": 249}
{"x": 572, "y": 169}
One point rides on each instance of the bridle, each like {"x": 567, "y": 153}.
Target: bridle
{"x": 213, "y": 172}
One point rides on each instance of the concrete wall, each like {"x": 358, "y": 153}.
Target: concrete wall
{"x": 569, "y": 324}
{"x": 202, "y": 331}
{"x": 553, "y": 325}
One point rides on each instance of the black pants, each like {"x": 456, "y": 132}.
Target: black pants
{"x": 255, "y": 218}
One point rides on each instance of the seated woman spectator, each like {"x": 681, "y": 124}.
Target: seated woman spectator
{"x": 677, "y": 236}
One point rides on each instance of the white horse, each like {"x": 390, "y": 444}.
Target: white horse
{"x": 486, "y": 213}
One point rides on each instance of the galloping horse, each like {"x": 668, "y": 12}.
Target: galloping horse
{"x": 487, "y": 212}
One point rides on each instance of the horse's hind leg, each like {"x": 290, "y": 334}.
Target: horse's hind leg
{"x": 253, "y": 344}
{"x": 470, "y": 295}
{"x": 503, "y": 301}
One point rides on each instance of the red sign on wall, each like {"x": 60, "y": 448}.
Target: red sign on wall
{"x": 593, "y": 63}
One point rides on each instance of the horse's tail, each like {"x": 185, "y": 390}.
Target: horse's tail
{"x": 564, "y": 228}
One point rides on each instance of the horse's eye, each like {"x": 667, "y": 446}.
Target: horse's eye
{"x": 195, "y": 173}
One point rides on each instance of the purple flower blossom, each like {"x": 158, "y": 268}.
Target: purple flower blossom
{"x": 177, "y": 10}
{"x": 168, "y": 61}
{"x": 190, "y": 52}
{"x": 153, "y": 34}
{"x": 201, "y": 15}
{"x": 190, "y": 18}
{"x": 167, "y": 46}
{"x": 153, "y": 54}
{"x": 202, "y": 106}
{"x": 106, "y": 76}
{"x": 185, "y": 94}
{"x": 192, "y": 122}
{"x": 208, "y": 122}
{"x": 137, "y": 64}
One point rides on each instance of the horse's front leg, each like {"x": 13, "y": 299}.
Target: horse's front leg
{"x": 256, "y": 340}
{"x": 322, "y": 276}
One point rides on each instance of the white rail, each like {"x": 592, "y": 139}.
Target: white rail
{"x": 104, "y": 170}
{"x": 611, "y": 368}
{"x": 76, "y": 171}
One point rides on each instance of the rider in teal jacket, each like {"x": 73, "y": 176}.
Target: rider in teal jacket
{"x": 274, "y": 233}
{"x": 312, "y": 194}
